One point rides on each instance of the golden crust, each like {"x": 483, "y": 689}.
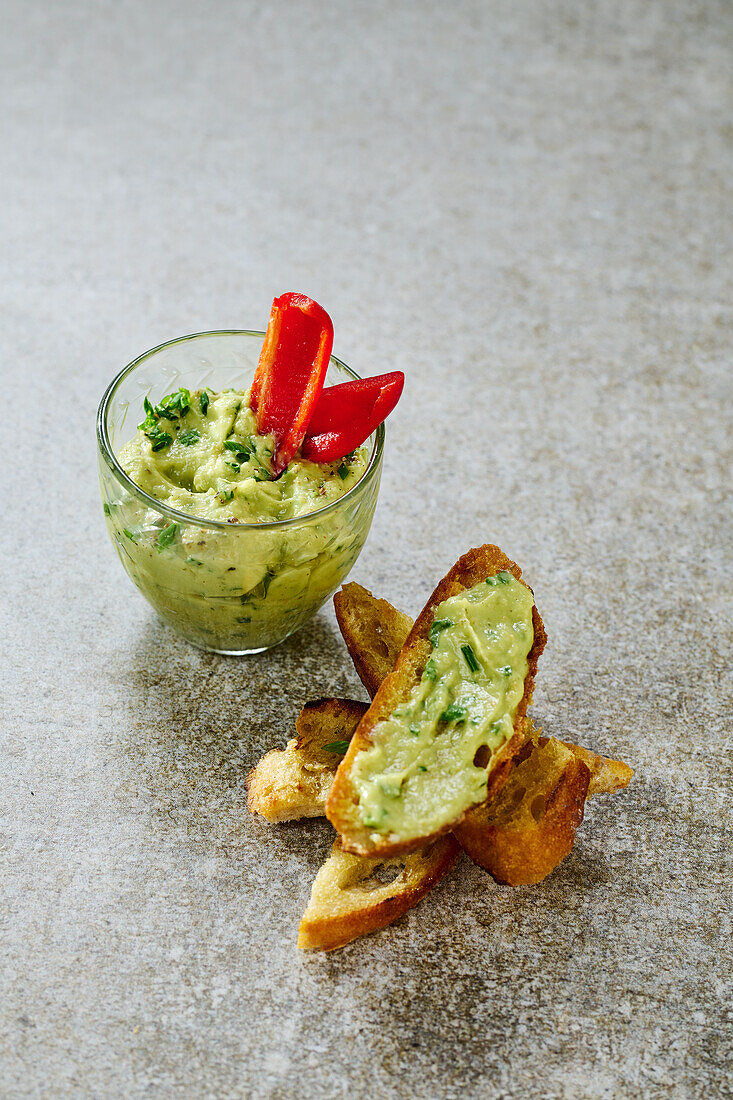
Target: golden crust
{"x": 606, "y": 775}
{"x": 352, "y": 896}
{"x": 524, "y": 833}
{"x": 293, "y": 782}
{"x": 342, "y": 804}
{"x": 361, "y": 618}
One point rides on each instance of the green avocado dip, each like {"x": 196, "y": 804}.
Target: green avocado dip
{"x": 429, "y": 760}
{"x": 246, "y": 585}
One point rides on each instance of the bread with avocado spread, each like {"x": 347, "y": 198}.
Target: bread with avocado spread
{"x": 444, "y": 727}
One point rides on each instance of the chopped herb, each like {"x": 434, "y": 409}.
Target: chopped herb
{"x": 343, "y": 471}
{"x": 167, "y": 535}
{"x": 506, "y": 671}
{"x": 470, "y": 658}
{"x": 495, "y": 727}
{"x": 421, "y": 768}
{"x": 504, "y": 577}
{"x": 193, "y": 561}
{"x": 261, "y": 475}
{"x": 152, "y": 429}
{"x": 158, "y": 438}
{"x": 430, "y": 672}
{"x": 337, "y": 746}
{"x": 134, "y": 535}
{"x": 107, "y": 508}
{"x": 174, "y": 405}
{"x": 204, "y": 402}
{"x": 492, "y": 582}
{"x": 225, "y": 494}
{"x": 415, "y": 730}
{"x": 437, "y": 628}
{"x": 233, "y": 466}
{"x": 453, "y": 713}
{"x": 189, "y": 437}
{"x": 242, "y": 451}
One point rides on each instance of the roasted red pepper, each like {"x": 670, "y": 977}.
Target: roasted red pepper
{"x": 346, "y": 415}
{"x": 290, "y": 372}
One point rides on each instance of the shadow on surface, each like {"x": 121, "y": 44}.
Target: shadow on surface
{"x": 194, "y": 723}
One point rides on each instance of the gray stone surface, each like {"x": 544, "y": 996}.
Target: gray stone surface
{"x": 525, "y": 207}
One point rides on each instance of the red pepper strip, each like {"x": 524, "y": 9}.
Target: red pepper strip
{"x": 290, "y": 373}
{"x": 359, "y": 421}
{"x": 340, "y": 405}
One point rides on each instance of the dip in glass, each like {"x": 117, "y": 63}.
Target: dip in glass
{"x": 224, "y": 580}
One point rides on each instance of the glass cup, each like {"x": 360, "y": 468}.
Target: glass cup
{"x": 229, "y": 588}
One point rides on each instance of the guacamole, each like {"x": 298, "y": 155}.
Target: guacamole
{"x": 429, "y": 760}
{"x": 233, "y": 588}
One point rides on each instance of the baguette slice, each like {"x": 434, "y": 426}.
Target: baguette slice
{"x": 370, "y": 626}
{"x": 529, "y": 828}
{"x": 342, "y": 806}
{"x": 352, "y": 896}
{"x": 606, "y": 775}
{"x": 374, "y": 632}
{"x": 293, "y": 782}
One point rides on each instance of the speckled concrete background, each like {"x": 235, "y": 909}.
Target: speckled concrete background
{"x": 524, "y": 207}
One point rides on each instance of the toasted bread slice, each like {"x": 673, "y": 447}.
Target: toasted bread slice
{"x": 342, "y": 804}
{"x": 529, "y": 827}
{"x": 606, "y": 775}
{"x": 374, "y": 632}
{"x": 352, "y": 895}
{"x": 293, "y": 782}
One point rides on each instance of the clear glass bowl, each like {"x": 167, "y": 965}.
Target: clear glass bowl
{"x": 230, "y": 588}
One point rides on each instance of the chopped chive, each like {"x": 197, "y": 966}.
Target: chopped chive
{"x": 107, "y": 509}
{"x": 242, "y": 452}
{"x": 167, "y": 535}
{"x": 504, "y": 577}
{"x": 470, "y": 658}
{"x": 134, "y": 535}
{"x": 337, "y": 746}
{"x": 506, "y": 671}
{"x": 437, "y": 628}
{"x": 226, "y": 494}
{"x": 453, "y": 713}
{"x": 421, "y": 768}
{"x": 343, "y": 471}
{"x": 189, "y": 437}
{"x": 430, "y": 672}
{"x": 204, "y": 402}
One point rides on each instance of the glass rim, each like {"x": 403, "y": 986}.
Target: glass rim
{"x": 107, "y": 452}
